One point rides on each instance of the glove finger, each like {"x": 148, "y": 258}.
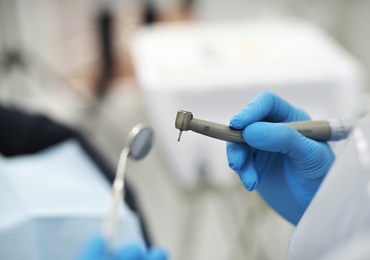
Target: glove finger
{"x": 237, "y": 154}
{"x": 240, "y": 156}
{"x": 156, "y": 253}
{"x": 269, "y": 107}
{"x": 273, "y": 137}
{"x": 248, "y": 174}
{"x": 282, "y": 138}
{"x": 94, "y": 249}
{"x": 131, "y": 252}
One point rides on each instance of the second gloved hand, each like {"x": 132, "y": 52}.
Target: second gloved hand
{"x": 284, "y": 166}
{"x": 96, "y": 249}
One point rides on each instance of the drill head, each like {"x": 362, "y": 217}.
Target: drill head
{"x": 183, "y": 119}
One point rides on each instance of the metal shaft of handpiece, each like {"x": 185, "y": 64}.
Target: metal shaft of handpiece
{"x": 218, "y": 131}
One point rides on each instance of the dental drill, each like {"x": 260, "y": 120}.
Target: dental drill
{"x": 320, "y": 130}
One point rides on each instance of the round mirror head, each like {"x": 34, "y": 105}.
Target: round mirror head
{"x": 140, "y": 141}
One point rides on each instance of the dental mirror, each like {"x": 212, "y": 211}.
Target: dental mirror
{"x": 138, "y": 144}
{"x": 140, "y": 141}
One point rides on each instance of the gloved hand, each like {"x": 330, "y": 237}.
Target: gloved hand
{"x": 96, "y": 250}
{"x": 284, "y": 166}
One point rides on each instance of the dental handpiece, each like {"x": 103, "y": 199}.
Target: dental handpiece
{"x": 320, "y": 130}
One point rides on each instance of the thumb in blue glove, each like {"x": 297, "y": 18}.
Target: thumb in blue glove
{"x": 284, "y": 166}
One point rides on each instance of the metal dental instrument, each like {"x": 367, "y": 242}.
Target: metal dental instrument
{"x": 138, "y": 144}
{"x": 322, "y": 130}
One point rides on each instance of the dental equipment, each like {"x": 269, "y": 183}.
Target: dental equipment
{"x": 138, "y": 144}
{"x": 320, "y": 130}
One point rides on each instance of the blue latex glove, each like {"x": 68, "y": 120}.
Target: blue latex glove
{"x": 284, "y": 166}
{"x": 96, "y": 250}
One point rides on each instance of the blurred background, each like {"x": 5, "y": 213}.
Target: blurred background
{"x": 103, "y": 66}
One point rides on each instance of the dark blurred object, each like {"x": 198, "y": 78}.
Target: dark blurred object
{"x": 10, "y": 36}
{"x": 150, "y": 12}
{"x": 12, "y": 59}
{"x": 106, "y": 46}
{"x": 188, "y": 4}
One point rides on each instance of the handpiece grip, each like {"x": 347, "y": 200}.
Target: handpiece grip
{"x": 316, "y": 130}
